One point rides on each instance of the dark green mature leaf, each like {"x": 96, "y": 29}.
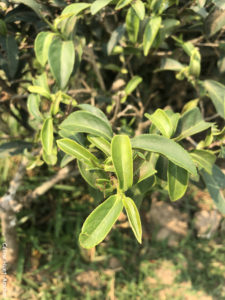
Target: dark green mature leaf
{"x": 36, "y": 6}
{"x": 162, "y": 121}
{"x": 41, "y": 46}
{"x": 216, "y": 92}
{"x": 133, "y": 217}
{"x": 100, "y": 221}
{"x": 215, "y": 183}
{"x": 61, "y": 58}
{"x": 191, "y": 122}
{"x": 177, "y": 181}
{"x": 75, "y": 8}
{"x": 204, "y": 159}
{"x": 33, "y": 102}
{"x": 83, "y": 121}
{"x": 139, "y": 8}
{"x": 9, "y": 58}
{"x": 91, "y": 176}
{"x": 132, "y": 25}
{"x": 150, "y": 33}
{"x": 122, "y": 160}
{"x": 160, "y": 144}
{"x": 13, "y": 148}
{"x": 74, "y": 149}
{"x": 97, "y": 5}
{"x": 47, "y": 137}
{"x": 139, "y": 190}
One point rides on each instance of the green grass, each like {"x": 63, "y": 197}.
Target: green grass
{"x": 52, "y": 266}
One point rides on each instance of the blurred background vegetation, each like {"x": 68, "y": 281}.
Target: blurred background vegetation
{"x": 182, "y": 255}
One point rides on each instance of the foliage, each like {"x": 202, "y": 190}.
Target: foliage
{"x": 70, "y": 55}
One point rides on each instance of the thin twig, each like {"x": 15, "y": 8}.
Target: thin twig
{"x": 212, "y": 117}
{"x": 90, "y": 56}
{"x": 117, "y": 99}
{"x": 142, "y": 126}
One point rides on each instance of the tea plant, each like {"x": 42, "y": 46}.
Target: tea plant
{"x": 126, "y": 161}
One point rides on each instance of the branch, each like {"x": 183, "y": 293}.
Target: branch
{"x": 8, "y": 202}
{"x": 142, "y": 126}
{"x": 47, "y": 185}
{"x": 90, "y": 57}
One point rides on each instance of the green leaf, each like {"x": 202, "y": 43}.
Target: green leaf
{"x": 167, "y": 28}
{"x": 66, "y": 160}
{"x": 97, "y": 5}
{"x": 132, "y": 84}
{"x": 132, "y": 25}
{"x": 191, "y": 122}
{"x": 83, "y": 121}
{"x": 91, "y": 176}
{"x": 161, "y": 120}
{"x": 47, "y": 137}
{"x": 122, "y": 160}
{"x": 160, "y": 144}
{"x": 76, "y": 150}
{"x": 122, "y": 3}
{"x": 3, "y": 28}
{"x": 33, "y": 103}
{"x": 40, "y": 91}
{"x": 146, "y": 169}
{"x": 177, "y": 181}
{"x": 188, "y": 47}
{"x": 9, "y": 57}
{"x": 75, "y": 8}
{"x": 13, "y": 148}
{"x": 115, "y": 38}
{"x": 195, "y": 63}
{"x": 100, "y": 143}
{"x": 67, "y": 25}
{"x": 41, "y": 81}
{"x": 215, "y": 183}
{"x": 214, "y": 21}
{"x": 139, "y": 8}
{"x": 216, "y": 92}
{"x": 170, "y": 64}
{"x": 204, "y": 159}
{"x": 150, "y": 33}
{"x": 189, "y": 105}
{"x": 100, "y": 221}
{"x": 41, "y": 46}
{"x": 37, "y": 7}
{"x": 61, "y": 58}
{"x": 133, "y": 217}
{"x": 50, "y": 159}
{"x": 94, "y": 110}
{"x": 174, "y": 118}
